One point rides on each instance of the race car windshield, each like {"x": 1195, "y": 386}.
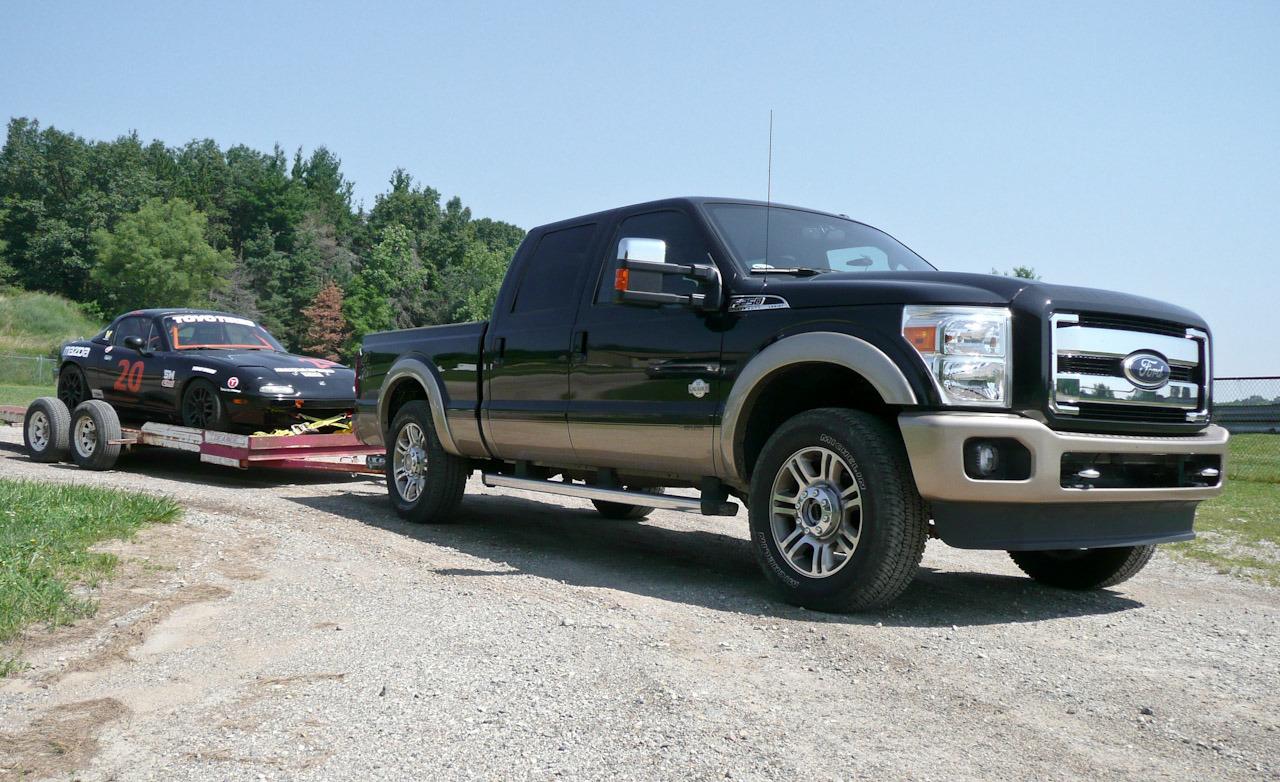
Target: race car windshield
{"x": 196, "y": 332}
{"x": 767, "y": 240}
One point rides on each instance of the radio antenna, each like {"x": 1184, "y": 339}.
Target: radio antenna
{"x": 768, "y": 198}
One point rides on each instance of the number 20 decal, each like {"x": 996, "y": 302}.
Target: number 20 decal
{"x": 130, "y": 378}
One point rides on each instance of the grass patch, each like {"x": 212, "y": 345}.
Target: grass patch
{"x": 35, "y": 324}
{"x": 23, "y": 395}
{"x": 1254, "y": 457}
{"x": 1239, "y": 532}
{"x": 45, "y": 534}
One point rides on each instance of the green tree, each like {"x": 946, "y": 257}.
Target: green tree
{"x": 1025, "y": 272}
{"x": 157, "y": 257}
{"x": 391, "y": 275}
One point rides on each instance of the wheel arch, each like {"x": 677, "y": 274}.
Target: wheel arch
{"x": 414, "y": 379}
{"x": 799, "y": 373}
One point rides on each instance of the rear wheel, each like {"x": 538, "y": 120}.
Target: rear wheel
{"x": 1084, "y": 568}
{"x": 46, "y": 429}
{"x": 202, "y": 408}
{"x": 72, "y": 386}
{"x": 95, "y": 435}
{"x": 425, "y": 481}
{"x": 836, "y": 521}
{"x": 623, "y": 511}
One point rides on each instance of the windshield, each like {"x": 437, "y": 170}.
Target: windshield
{"x": 809, "y": 241}
{"x": 193, "y": 332}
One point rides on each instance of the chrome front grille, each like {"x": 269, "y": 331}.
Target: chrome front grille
{"x": 1087, "y": 355}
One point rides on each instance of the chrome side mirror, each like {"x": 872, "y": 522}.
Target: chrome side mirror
{"x": 641, "y": 268}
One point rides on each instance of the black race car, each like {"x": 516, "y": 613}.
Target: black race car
{"x": 201, "y": 368}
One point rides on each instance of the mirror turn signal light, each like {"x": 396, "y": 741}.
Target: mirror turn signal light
{"x": 621, "y": 278}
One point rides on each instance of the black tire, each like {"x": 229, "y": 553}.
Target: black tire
{"x": 891, "y": 522}
{"x": 46, "y": 429}
{"x": 444, "y": 476}
{"x": 624, "y": 512}
{"x": 94, "y": 425}
{"x": 73, "y": 388}
{"x": 202, "y": 407}
{"x": 1094, "y": 568}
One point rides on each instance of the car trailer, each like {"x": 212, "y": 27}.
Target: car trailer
{"x": 93, "y": 438}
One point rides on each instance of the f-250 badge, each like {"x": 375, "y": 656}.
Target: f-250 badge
{"x": 699, "y": 388}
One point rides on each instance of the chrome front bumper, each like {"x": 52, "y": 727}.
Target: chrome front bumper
{"x": 935, "y": 446}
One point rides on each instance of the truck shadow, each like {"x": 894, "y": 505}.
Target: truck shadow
{"x": 696, "y": 567}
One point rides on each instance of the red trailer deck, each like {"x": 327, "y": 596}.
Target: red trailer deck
{"x": 334, "y": 452}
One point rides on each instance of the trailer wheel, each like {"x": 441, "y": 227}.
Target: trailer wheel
{"x": 95, "y": 435}
{"x": 425, "y": 481}
{"x": 623, "y": 511}
{"x": 45, "y": 429}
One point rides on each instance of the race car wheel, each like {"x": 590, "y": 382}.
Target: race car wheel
{"x": 1084, "y": 568}
{"x": 95, "y": 435}
{"x": 836, "y": 521}
{"x": 623, "y": 511}
{"x": 425, "y": 481}
{"x": 45, "y": 429}
{"x": 72, "y": 386}
{"x": 202, "y": 408}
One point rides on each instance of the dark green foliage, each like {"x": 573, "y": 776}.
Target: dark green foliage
{"x": 76, "y": 215}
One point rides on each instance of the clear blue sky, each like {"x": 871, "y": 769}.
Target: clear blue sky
{"x": 1119, "y": 145}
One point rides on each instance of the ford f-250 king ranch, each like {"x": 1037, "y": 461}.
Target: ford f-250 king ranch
{"x": 856, "y": 399}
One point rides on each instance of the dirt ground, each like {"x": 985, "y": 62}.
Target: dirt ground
{"x": 291, "y": 627}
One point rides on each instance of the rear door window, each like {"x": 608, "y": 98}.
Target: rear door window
{"x": 549, "y": 279}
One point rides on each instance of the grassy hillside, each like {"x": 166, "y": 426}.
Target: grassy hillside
{"x": 35, "y": 324}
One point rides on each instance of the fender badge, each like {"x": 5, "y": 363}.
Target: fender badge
{"x": 699, "y": 388}
{"x": 233, "y": 382}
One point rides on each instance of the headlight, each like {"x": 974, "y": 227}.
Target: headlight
{"x": 273, "y": 388}
{"x": 967, "y": 351}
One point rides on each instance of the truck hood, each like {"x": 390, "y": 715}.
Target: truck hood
{"x": 933, "y": 287}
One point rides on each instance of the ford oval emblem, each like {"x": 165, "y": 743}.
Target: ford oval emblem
{"x": 1146, "y": 370}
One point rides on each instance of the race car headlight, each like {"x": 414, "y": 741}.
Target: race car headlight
{"x": 967, "y": 351}
{"x": 275, "y": 388}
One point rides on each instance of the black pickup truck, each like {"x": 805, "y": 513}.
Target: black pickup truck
{"x": 857, "y": 400}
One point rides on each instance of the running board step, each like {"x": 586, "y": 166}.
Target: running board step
{"x": 664, "y": 501}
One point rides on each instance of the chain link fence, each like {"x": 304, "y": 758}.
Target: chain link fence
{"x": 28, "y": 370}
{"x": 1249, "y": 407}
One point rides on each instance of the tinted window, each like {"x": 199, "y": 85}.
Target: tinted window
{"x": 131, "y": 327}
{"x": 547, "y": 282}
{"x": 685, "y": 244}
{"x": 810, "y": 240}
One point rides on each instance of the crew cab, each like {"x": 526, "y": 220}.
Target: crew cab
{"x": 201, "y": 368}
{"x": 856, "y": 399}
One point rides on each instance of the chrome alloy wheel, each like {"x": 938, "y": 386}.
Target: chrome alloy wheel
{"x": 816, "y": 512}
{"x": 38, "y": 430}
{"x": 85, "y": 436}
{"x": 409, "y": 462}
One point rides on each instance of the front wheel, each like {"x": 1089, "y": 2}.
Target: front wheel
{"x": 202, "y": 408}
{"x": 425, "y": 481}
{"x": 1085, "y": 568}
{"x": 72, "y": 386}
{"x": 836, "y": 521}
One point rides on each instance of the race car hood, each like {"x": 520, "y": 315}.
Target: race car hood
{"x": 311, "y": 378}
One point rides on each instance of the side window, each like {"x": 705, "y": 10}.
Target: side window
{"x": 684, "y": 245}
{"x": 154, "y": 342}
{"x": 130, "y": 327}
{"x": 546, "y": 282}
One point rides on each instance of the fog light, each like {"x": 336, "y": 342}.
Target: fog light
{"x": 986, "y": 458}
{"x": 997, "y": 459}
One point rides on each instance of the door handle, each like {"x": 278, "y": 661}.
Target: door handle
{"x": 499, "y": 350}
{"x": 579, "y": 352}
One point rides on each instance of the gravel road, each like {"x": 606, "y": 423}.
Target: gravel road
{"x": 294, "y": 628}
